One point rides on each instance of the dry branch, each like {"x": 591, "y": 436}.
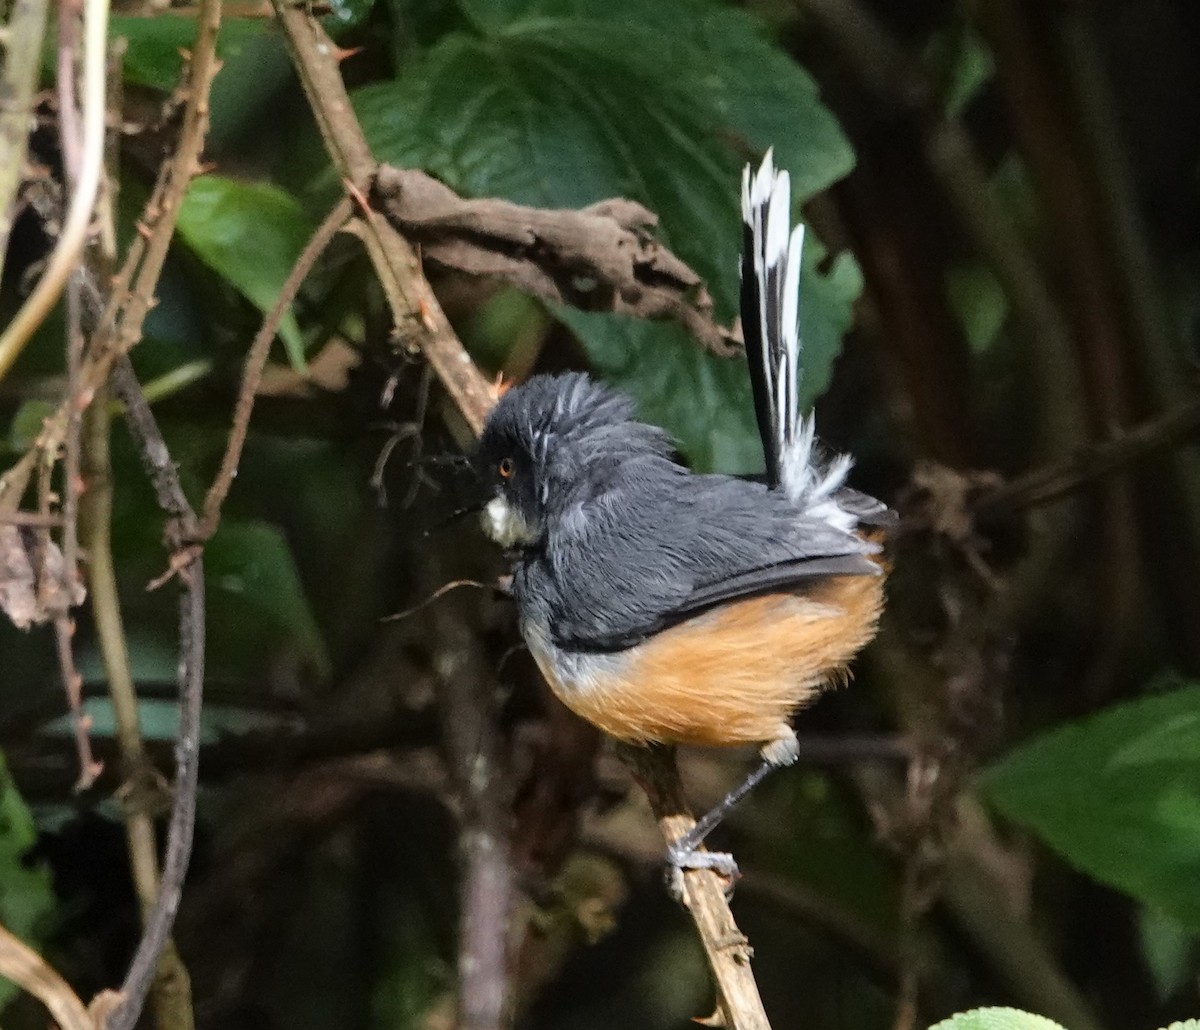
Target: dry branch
{"x": 415, "y": 308}
{"x": 1092, "y": 463}
{"x": 26, "y": 968}
{"x": 727, "y": 949}
{"x": 603, "y": 258}
{"x": 161, "y": 916}
{"x": 256, "y": 359}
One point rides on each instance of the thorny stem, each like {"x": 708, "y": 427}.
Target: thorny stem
{"x": 415, "y": 309}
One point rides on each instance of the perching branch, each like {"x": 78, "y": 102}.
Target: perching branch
{"x": 727, "y": 949}
{"x": 603, "y": 258}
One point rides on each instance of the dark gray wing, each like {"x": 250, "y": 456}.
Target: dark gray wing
{"x": 662, "y": 545}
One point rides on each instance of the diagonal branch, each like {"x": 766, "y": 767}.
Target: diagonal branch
{"x": 727, "y": 949}
{"x": 416, "y": 310}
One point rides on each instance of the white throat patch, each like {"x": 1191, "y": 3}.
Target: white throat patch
{"x": 504, "y": 524}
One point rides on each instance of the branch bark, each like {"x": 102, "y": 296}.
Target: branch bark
{"x": 726, "y": 948}
{"x": 416, "y": 310}
{"x": 603, "y": 258}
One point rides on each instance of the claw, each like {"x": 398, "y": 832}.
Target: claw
{"x": 683, "y": 858}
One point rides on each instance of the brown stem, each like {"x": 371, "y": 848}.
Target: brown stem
{"x": 141, "y": 791}
{"x": 156, "y": 942}
{"x": 415, "y": 308}
{"x": 727, "y": 949}
{"x": 256, "y": 359}
{"x": 1047, "y": 484}
{"x": 25, "y": 967}
{"x": 484, "y": 791}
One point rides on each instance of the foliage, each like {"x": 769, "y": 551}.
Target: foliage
{"x": 996, "y": 1019}
{"x": 1118, "y": 795}
{"x": 27, "y": 900}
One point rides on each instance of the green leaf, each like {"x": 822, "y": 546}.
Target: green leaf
{"x": 1187, "y": 1024}
{"x": 996, "y": 1019}
{"x": 250, "y": 233}
{"x": 554, "y": 106}
{"x": 1168, "y": 949}
{"x": 26, "y": 897}
{"x": 1118, "y": 796}
{"x": 979, "y": 301}
{"x": 27, "y": 424}
{"x": 256, "y": 596}
{"x": 156, "y": 45}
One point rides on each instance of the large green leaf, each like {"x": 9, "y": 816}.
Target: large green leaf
{"x": 548, "y": 104}
{"x": 1118, "y": 796}
{"x": 155, "y": 45}
{"x": 256, "y": 597}
{"x": 996, "y": 1019}
{"x": 250, "y": 233}
{"x": 26, "y": 897}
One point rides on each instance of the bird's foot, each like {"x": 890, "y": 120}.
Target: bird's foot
{"x": 681, "y": 858}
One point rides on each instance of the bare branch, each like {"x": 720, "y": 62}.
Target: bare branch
{"x": 256, "y": 359}
{"x": 1044, "y": 485}
{"x": 483, "y": 788}
{"x": 726, "y": 947}
{"x": 160, "y": 917}
{"x": 414, "y": 306}
{"x": 603, "y": 258}
{"x": 25, "y": 967}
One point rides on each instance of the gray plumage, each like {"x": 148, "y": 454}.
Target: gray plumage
{"x": 614, "y": 540}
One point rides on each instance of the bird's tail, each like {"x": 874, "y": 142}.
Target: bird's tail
{"x": 770, "y": 325}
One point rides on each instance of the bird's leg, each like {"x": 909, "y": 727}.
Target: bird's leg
{"x": 683, "y": 854}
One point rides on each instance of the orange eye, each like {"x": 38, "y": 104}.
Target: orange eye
{"x": 505, "y": 467}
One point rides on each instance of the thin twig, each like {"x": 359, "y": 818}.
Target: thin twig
{"x": 441, "y": 591}
{"x": 158, "y": 921}
{"x": 71, "y": 137}
{"x": 1044, "y": 485}
{"x": 256, "y": 359}
{"x": 726, "y": 947}
{"x": 71, "y": 240}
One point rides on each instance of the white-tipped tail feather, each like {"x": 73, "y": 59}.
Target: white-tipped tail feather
{"x": 770, "y": 324}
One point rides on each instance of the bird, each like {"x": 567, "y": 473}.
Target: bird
{"x": 667, "y": 606}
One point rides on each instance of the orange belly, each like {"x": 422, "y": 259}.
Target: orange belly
{"x": 733, "y": 675}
